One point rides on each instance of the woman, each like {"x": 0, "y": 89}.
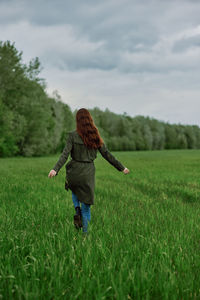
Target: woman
{"x": 83, "y": 144}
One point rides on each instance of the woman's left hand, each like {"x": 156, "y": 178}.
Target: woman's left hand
{"x": 126, "y": 171}
{"x": 52, "y": 173}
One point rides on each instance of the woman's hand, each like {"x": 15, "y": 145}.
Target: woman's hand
{"x": 126, "y": 171}
{"x": 52, "y": 173}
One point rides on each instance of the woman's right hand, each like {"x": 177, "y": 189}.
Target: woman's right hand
{"x": 52, "y": 173}
{"x": 126, "y": 171}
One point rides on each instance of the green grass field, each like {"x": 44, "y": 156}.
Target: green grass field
{"x": 144, "y": 236}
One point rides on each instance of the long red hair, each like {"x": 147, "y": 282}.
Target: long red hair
{"x": 87, "y": 130}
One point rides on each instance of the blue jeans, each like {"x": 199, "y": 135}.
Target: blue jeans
{"x": 85, "y": 211}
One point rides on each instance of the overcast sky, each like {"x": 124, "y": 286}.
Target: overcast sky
{"x": 139, "y": 57}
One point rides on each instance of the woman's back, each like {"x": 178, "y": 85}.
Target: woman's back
{"x": 79, "y": 151}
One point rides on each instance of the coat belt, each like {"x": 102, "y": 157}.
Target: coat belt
{"x": 83, "y": 161}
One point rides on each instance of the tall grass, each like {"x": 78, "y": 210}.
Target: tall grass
{"x": 144, "y": 236}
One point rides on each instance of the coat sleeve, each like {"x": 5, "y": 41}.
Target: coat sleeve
{"x": 110, "y": 158}
{"x": 65, "y": 154}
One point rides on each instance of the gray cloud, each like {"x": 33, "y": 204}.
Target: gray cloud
{"x": 135, "y": 56}
{"x": 186, "y": 44}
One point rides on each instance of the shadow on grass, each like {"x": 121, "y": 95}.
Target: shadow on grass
{"x": 157, "y": 190}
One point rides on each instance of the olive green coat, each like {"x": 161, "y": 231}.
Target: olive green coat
{"x": 80, "y": 170}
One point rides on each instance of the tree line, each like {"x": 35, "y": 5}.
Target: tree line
{"x": 33, "y": 123}
{"x": 122, "y": 132}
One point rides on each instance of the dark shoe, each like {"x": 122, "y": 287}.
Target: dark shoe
{"x": 78, "y": 210}
{"x": 78, "y": 221}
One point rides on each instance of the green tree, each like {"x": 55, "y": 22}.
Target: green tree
{"x": 34, "y": 124}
